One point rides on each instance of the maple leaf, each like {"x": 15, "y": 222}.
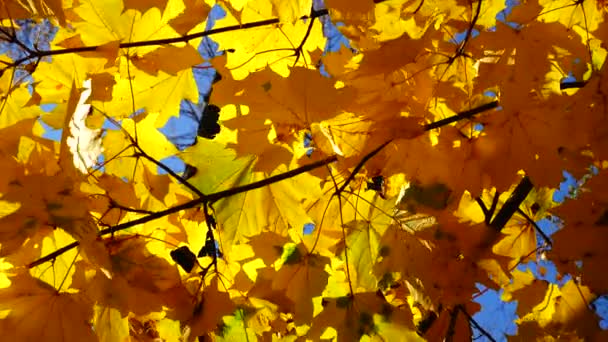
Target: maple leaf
{"x": 290, "y": 11}
{"x": 116, "y": 145}
{"x": 582, "y": 238}
{"x": 521, "y": 231}
{"x": 143, "y": 6}
{"x": 235, "y": 327}
{"x": 15, "y": 104}
{"x": 140, "y": 282}
{"x": 190, "y": 18}
{"x": 277, "y": 44}
{"x": 279, "y": 209}
{"x": 41, "y": 202}
{"x": 303, "y": 277}
{"x": 584, "y": 14}
{"x": 110, "y": 324}
{"x": 356, "y": 316}
{"x": 155, "y": 61}
{"x": 31, "y": 301}
{"x": 565, "y": 310}
{"x": 527, "y": 290}
{"x": 213, "y": 306}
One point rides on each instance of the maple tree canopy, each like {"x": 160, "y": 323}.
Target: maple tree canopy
{"x": 367, "y": 192}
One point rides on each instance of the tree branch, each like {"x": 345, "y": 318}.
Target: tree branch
{"x": 437, "y": 124}
{"x": 360, "y": 165}
{"x": 298, "y": 50}
{"x": 170, "y": 172}
{"x": 512, "y": 204}
{"x": 572, "y": 85}
{"x": 289, "y": 174}
{"x": 185, "y": 38}
{"x": 191, "y": 204}
{"x": 462, "y": 115}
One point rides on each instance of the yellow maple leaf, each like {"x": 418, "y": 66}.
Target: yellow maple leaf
{"x": 14, "y": 97}
{"x": 109, "y": 325}
{"x": 119, "y": 157}
{"x": 303, "y": 277}
{"x": 585, "y": 13}
{"x": 290, "y": 11}
{"x": 273, "y": 46}
{"x": 157, "y": 60}
{"x": 565, "y": 310}
{"x": 190, "y": 18}
{"x": 527, "y": 290}
{"x": 364, "y": 316}
{"x": 140, "y": 282}
{"x": 44, "y": 201}
{"x": 213, "y": 306}
{"x": 29, "y": 303}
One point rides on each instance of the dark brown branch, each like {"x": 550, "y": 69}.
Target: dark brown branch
{"x": 164, "y": 41}
{"x": 115, "y": 205}
{"x": 219, "y": 195}
{"x": 53, "y": 255}
{"x": 460, "y": 116}
{"x": 298, "y": 50}
{"x": 12, "y": 38}
{"x": 488, "y": 213}
{"x": 191, "y": 204}
{"x": 270, "y": 180}
{"x": 512, "y": 204}
{"x": 467, "y": 37}
{"x": 437, "y": 124}
{"x": 185, "y": 38}
{"x": 572, "y": 85}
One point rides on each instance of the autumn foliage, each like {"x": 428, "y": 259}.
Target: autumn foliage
{"x": 367, "y": 192}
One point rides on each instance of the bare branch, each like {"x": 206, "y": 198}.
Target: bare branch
{"x": 512, "y": 204}
{"x": 460, "y": 116}
{"x": 191, "y": 204}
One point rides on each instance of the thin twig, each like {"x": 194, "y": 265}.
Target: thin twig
{"x": 115, "y": 205}
{"x": 360, "y": 165}
{"x": 462, "y": 115}
{"x": 536, "y": 227}
{"x": 298, "y": 50}
{"x": 512, "y": 204}
{"x": 475, "y": 324}
{"x": 172, "y": 173}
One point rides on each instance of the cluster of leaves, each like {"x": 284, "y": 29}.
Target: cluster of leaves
{"x": 366, "y": 193}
